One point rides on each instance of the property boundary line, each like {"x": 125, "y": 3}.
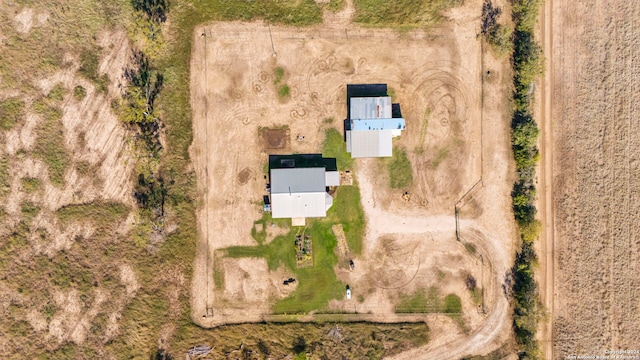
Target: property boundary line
{"x": 208, "y": 309}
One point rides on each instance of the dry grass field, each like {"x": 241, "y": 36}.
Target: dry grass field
{"x": 594, "y": 89}
{"x": 86, "y": 272}
{"x": 242, "y": 111}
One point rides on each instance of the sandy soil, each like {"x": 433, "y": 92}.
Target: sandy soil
{"x": 439, "y": 78}
{"x": 594, "y": 85}
{"x": 546, "y": 246}
{"x": 94, "y": 136}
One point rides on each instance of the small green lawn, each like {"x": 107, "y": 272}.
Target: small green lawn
{"x": 316, "y": 285}
{"x": 335, "y": 147}
{"x": 399, "y": 168}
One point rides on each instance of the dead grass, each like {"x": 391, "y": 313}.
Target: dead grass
{"x": 318, "y": 341}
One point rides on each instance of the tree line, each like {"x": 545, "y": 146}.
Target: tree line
{"x": 527, "y": 64}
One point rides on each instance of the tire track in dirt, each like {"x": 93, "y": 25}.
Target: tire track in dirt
{"x": 486, "y": 335}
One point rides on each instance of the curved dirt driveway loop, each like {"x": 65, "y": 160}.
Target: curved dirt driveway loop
{"x": 490, "y": 334}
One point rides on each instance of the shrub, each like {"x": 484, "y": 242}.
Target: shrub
{"x": 497, "y": 35}
{"x": 155, "y": 10}
{"x": 79, "y": 92}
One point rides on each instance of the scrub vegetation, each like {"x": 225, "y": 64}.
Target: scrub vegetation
{"x": 527, "y": 61}
{"x": 101, "y": 237}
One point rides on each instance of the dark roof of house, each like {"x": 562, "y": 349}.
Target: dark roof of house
{"x": 302, "y": 161}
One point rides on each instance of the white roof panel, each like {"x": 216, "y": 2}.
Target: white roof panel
{"x": 370, "y": 107}
{"x": 332, "y": 178}
{"x": 298, "y": 205}
{"x": 371, "y": 143}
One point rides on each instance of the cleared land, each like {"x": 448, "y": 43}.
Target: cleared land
{"x": 594, "y": 91}
{"x": 238, "y": 74}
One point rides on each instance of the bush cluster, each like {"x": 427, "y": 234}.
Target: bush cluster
{"x": 155, "y": 10}
{"x": 144, "y": 83}
{"x": 498, "y": 36}
{"x": 527, "y": 66}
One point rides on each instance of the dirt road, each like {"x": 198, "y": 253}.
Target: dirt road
{"x": 546, "y": 246}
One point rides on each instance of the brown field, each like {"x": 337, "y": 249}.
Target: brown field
{"x": 592, "y": 253}
{"x": 454, "y": 138}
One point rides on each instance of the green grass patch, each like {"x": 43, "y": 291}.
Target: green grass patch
{"x": 29, "y": 212}
{"x": 259, "y": 229}
{"x": 399, "y": 168}
{"x": 50, "y": 146}
{"x": 441, "y": 155}
{"x": 11, "y": 112}
{"x": 278, "y": 75}
{"x": 4, "y": 176}
{"x": 105, "y": 217}
{"x": 452, "y": 304}
{"x": 392, "y": 93}
{"x": 336, "y": 5}
{"x": 476, "y": 295}
{"x": 107, "y": 212}
{"x": 218, "y": 273}
{"x": 335, "y": 147}
{"x": 290, "y": 12}
{"x": 57, "y": 93}
{"x": 347, "y": 210}
{"x": 89, "y": 61}
{"x": 30, "y": 185}
{"x": 283, "y": 91}
{"x": 402, "y": 13}
{"x": 429, "y": 301}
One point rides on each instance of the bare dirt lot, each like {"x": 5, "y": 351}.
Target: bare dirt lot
{"x": 594, "y": 79}
{"x": 437, "y": 77}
